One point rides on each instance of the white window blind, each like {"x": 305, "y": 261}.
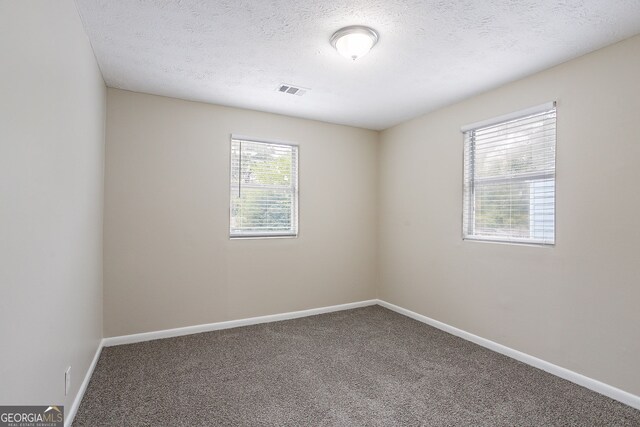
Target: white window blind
{"x": 264, "y": 189}
{"x": 509, "y": 178}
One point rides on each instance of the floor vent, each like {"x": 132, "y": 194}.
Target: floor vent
{"x": 292, "y": 90}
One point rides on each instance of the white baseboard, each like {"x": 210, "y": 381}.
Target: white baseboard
{"x": 595, "y": 385}
{"x": 83, "y": 387}
{"x": 188, "y": 330}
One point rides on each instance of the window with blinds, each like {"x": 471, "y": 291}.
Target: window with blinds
{"x": 264, "y": 189}
{"x": 509, "y": 178}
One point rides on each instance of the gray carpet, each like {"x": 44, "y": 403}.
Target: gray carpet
{"x": 368, "y": 366}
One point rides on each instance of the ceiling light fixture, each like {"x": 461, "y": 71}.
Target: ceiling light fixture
{"x": 355, "y": 41}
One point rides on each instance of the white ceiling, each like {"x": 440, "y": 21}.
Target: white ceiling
{"x": 431, "y": 53}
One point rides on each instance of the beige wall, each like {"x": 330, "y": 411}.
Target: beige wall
{"x": 52, "y": 110}
{"x": 168, "y": 258}
{"x": 576, "y": 304}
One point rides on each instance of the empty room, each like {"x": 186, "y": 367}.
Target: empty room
{"x": 319, "y": 213}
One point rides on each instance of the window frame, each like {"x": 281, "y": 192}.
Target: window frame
{"x": 296, "y": 190}
{"x": 467, "y": 234}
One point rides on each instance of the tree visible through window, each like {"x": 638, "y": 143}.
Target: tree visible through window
{"x": 509, "y": 179}
{"x": 264, "y": 189}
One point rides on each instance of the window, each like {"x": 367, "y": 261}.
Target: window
{"x": 264, "y": 189}
{"x": 509, "y": 178}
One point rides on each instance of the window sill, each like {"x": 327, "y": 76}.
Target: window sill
{"x": 263, "y": 237}
{"x": 509, "y": 242}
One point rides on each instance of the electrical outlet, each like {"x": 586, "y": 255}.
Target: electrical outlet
{"x": 67, "y": 380}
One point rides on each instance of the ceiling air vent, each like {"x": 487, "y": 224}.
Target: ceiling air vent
{"x": 292, "y": 90}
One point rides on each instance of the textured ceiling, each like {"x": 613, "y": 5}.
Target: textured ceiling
{"x": 431, "y": 52}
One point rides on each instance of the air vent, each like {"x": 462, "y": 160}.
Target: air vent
{"x": 292, "y": 90}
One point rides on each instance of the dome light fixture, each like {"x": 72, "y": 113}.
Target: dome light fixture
{"x": 355, "y": 41}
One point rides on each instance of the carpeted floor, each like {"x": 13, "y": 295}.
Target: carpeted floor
{"x": 368, "y": 366}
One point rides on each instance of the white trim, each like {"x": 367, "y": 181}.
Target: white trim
{"x": 237, "y": 137}
{"x": 576, "y": 378}
{"x": 510, "y": 116}
{"x": 263, "y": 237}
{"x": 69, "y": 416}
{"x": 188, "y": 330}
